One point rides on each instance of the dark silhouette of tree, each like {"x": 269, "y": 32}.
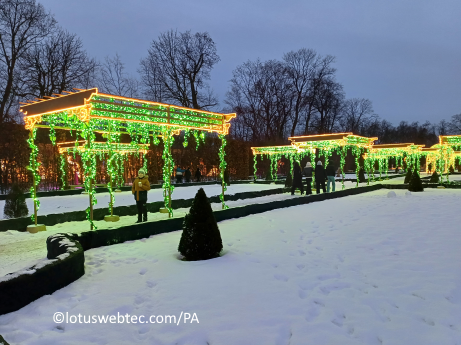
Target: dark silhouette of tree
{"x": 177, "y": 67}
{"x": 23, "y": 23}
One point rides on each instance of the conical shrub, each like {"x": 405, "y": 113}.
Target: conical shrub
{"x": 15, "y": 203}
{"x": 289, "y": 181}
{"x": 408, "y": 176}
{"x": 362, "y": 177}
{"x": 434, "y": 178}
{"x": 200, "y": 239}
{"x": 415, "y": 184}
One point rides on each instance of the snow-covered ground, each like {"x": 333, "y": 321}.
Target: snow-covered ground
{"x": 79, "y": 202}
{"x": 20, "y": 250}
{"x": 364, "y": 269}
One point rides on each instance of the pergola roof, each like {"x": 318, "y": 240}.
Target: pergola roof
{"x": 334, "y": 139}
{"x": 91, "y": 104}
{"x": 102, "y": 147}
{"x": 392, "y": 146}
{"x": 450, "y": 140}
{"x": 271, "y": 150}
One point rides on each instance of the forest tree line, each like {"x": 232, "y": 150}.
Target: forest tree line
{"x": 296, "y": 95}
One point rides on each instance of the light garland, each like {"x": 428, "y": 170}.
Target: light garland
{"x": 33, "y": 168}
{"x": 222, "y": 168}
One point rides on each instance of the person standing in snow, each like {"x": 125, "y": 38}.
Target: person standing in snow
{"x": 297, "y": 179}
{"x": 198, "y": 174}
{"x": 319, "y": 177}
{"x": 308, "y": 173}
{"x": 140, "y": 187}
{"x": 330, "y": 172}
{"x": 187, "y": 175}
{"x": 179, "y": 173}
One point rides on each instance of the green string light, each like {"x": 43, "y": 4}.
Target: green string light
{"x": 222, "y": 168}
{"x": 33, "y": 167}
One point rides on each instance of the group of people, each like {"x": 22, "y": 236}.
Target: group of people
{"x": 187, "y": 174}
{"x": 320, "y": 173}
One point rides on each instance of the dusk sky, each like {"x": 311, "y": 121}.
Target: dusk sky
{"x": 403, "y": 55}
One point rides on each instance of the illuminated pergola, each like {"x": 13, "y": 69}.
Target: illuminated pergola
{"x": 274, "y": 153}
{"x": 326, "y": 144}
{"x": 87, "y": 112}
{"x": 113, "y": 153}
{"x": 381, "y": 153}
{"x": 443, "y": 155}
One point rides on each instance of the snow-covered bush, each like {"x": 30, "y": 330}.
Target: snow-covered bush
{"x": 15, "y": 204}
{"x": 408, "y": 176}
{"x": 200, "y": 239}
{"x": 434, "y": 177}
{"x": 415, "y": 184}
{"x": 289, "y": 180}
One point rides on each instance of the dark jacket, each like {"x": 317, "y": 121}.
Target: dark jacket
{"x": 187, "y": 174}
{"x": 308, "y": 172}
{"x": 330, "y": 170}
{"x": 198, "y": 173}
{"x": 140, "y": 192}
{"x": 319, "y": 173}
{"x": 297, "y": 175}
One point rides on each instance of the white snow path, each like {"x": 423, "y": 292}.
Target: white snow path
{"x": 363, "y": 269}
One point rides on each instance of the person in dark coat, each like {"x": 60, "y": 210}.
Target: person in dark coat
{"x": 308, "y": 173}
{"x": 330, "y": 172}
{"x": 140, "y": 187}
{"x": 198, "y": 174}
{"x": 297, "y": 179}
{"x": 179, "y": 173}
{"x": 319, "y": 177}
{"x": 187, "y": 175}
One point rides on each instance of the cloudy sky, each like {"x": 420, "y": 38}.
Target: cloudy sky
{"x": 403, "y": 55}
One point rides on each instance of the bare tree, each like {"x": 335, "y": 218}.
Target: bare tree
{"x": 454, "y": 126}
{"x": 306, "y": 70}
{"x": 355, "y": 112}
{"x": 327, "y": 103}
{"x": 114, "y": 80}
{"x": 55, "y": 65}
{"x": 177, "y": 67}
{"x": 23, "y": 23}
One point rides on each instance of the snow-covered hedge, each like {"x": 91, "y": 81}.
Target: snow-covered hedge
{"x": 65, "y": 265}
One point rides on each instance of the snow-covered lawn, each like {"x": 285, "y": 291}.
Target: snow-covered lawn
{"x": 364, "y": 269}
{"x": 79, "y": 202}
{"x": 20, "y": 250}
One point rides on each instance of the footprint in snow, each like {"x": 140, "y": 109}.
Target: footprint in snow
{"x": 281, "y": 277}
{"x": 312, "y": 314}
{"x": 302, "y": 294}
{"x": 151, "y": 283}
{"x": 429, "y": 321}
{"x": 142, "y": 271}
{"x": 301, "y": 252}
{"x": 339, "y": 320}
{"x": 282, "y": 231}
{"x": 230, "y": 244}
{"x": 300, "y": 266}
{"x": 96, "y": 271}
{"x": 328, "y": 276}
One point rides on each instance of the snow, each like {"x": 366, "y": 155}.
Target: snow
{"x": 363, "y": 269}
{"x": 79, "y": 202}
{"x": 23, "y": 249}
